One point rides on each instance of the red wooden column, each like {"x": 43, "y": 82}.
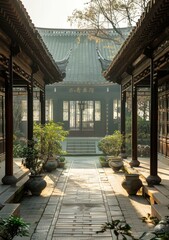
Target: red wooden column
{"x": 153, "y": 178}
{"x": 123, "y": 125}
{"x": 42, "y": 103}
{"x": 134, "y": 162}
{"x": 9, "y": 179}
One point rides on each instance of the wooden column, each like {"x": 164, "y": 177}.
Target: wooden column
{"x": 123, "y": 125}
{"x": 153, "y": 179}
{"x": 9, "y": 179}
{"x": 42, "y": 103}
{"x": 30, "y": 109}
{"x": 134, "y": 162}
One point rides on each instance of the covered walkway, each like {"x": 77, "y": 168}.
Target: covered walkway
{"x": 78, "y": 200}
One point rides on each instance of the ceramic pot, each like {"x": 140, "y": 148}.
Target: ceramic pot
{"x": 36, "y": 184}
{"x": 61, "y": 164}
{"x": 115, "y": 163}
{"x": 51, "y": 165}
{"x": 132, "y": 183}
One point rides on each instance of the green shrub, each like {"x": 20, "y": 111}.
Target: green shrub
{"x": 13, "y": 226}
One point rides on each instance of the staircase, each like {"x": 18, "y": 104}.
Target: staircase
{"x": 82, "y": 146}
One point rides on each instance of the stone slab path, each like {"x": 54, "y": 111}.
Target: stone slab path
{"x": 78, "y": 200}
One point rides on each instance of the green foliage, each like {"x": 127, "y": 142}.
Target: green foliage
{"x": 17, "y": 150}
{"x": 13, "y": 226}
{"x": 49, "y": 138}
{"x": 122, "y": 230}
{"x": 19, "y": 142}
{"x": 143, "y": 128}
{"x": 111, "y": 144}
{"x": 17, "y": 113}
{"x": 150, "y": 219}
{"x": 32, "y": 158}
{"x": 62, "y": 159}
{"x": 143, "y": 132}
{"x": 102, "y": 159}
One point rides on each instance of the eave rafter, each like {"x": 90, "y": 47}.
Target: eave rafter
{"x": 13, "y": 16}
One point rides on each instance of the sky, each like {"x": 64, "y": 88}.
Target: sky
{"x": 52, "y": 13}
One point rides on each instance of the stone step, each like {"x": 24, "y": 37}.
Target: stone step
{"x": 81, "y": 141}
{"x": 159, "y": 210}
{"x": 10, "y": 209}
{"x": 13, "y": 192}
{"x": 154, "y": 196}
{"x": 81, "y": 146}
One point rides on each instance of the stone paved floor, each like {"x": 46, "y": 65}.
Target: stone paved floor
{"x": 78, "y": 200}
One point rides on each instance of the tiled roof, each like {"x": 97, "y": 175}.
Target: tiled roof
{"x": 83, "y": 66}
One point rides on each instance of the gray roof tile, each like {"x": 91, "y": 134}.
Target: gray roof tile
{"x": 83, "y": 66}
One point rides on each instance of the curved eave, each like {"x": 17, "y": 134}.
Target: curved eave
{"x": 62, "y": 64}
{"x": 152, "y": 23}
{"x": 15, "y": 20}
{"x": 105, "y": 63}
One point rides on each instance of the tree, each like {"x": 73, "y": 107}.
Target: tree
{"x": 102, "y": 15}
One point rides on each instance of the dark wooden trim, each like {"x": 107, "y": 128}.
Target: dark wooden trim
{"x": 30, "y": 109}
{"x": 134, "y": 162}
{"x": 42, "y": 104}
{"x": 123, "y": 125}
{"x": 153, "y": 178}
{"x": 9, "y": 179}
{"x": 9, "y": 120}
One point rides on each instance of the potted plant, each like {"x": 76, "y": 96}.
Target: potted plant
{"x": 13, "y": 226}
{"x": 103, "y": 161}
{"x": 49, "y": 138}
{"x": 62, "y": 161}
{"x": 32, "y": 160}
{"x": 111, "y": 147}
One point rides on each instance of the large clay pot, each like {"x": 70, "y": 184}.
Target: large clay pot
{"x": 50, "y": 166}
{"x": 116, "y": 163}
{"x": 36, "y": 184}
{"x": 132, "y": 183}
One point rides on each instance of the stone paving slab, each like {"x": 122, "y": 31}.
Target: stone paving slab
{"x": 80, "y": 199}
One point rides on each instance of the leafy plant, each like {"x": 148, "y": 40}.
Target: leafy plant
{"x": 31, "y": 156}
{"x": 19, "y": 142}
{"x": 103, "y": 161}
{"x": 150, "y": 219}
{"x": 62, "y": 159}
{"x": 13, "y": 226}
{"x": 122, "y": 230}
{"x": 49, "y": 138}
{"x": 111, "y": 144}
